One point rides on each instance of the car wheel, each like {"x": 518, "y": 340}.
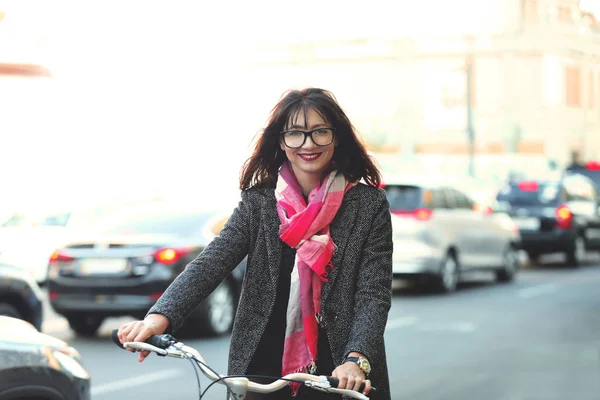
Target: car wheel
{"x": 510, "y": 265}
{"x": 217, "y": 311}
{"x": 8, "y": 310}
{"x": 85, "y": 325}
{"x": 578, "y": 253}
{"x": 449, "y": 274}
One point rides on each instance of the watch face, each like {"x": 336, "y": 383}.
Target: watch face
{"x": 365, "y": 366}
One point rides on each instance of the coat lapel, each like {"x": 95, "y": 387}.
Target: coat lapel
{"x": 341, "y": 228}
{"x": 273, "y": 242}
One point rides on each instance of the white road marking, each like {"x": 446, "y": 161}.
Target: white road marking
{"x": 134, "y": 381}
{"x": 55, "y": 325}
{"x": 400, "y": 322}
{"x": 537, "y": 290}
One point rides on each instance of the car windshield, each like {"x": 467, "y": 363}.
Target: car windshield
{"x": 530, "y": 194}
{"x": 181, "y": 224}
{"x": 403, "y": 197}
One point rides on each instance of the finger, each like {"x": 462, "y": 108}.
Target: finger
{"x": 357, "y": 382}
{"x": 343, "y": 381}
{"x": 143, "y": 355}
{"x": 350, "y": 383}
{"x": 367, "y": 387}
{"x": 143, "y": 333}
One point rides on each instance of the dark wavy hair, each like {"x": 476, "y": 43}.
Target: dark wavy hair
{"x": 349, "y": 157}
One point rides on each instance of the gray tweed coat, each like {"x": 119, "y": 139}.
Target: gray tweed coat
{"x": 355, "y": 299}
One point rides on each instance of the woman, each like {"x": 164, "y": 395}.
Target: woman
{"x": 317, "y": 289}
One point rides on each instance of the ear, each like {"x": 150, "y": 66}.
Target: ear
{"x": 281, "y": 145}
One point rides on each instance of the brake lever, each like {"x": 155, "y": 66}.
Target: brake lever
{"x": 147, "y": 347}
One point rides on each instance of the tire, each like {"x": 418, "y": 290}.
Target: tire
{"x": 85, "y": 325}
{"x": 449, "y": 275}
{"x": 9, "y": 310}
{"x": 216, "y": 314}
{"x": 578, "y": 253}
{"x": 510, "y": 265}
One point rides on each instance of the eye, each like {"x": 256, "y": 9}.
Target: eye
{"x": 292, "y": 134}
{"x": 322, "y": 131}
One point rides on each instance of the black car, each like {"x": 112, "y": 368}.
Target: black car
{"x": 590, "y": 169}
{"x": 20, "y": 295}
{"x": 37, "y": 366}
{"x": 555, "y": 216}
{"x": 126, "y": 267}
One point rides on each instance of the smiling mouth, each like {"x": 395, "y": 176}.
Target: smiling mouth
{"x": 309, "y": 157}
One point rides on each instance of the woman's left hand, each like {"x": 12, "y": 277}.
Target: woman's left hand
{"x": 351, "y": 377}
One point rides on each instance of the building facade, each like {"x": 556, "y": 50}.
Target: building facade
{"x": 532, "y": 66}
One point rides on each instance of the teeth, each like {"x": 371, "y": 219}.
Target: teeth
{"x": 311, "y": 157}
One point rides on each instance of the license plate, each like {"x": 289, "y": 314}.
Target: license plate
{"x": 94, "y": 266}
{"x": 529, "y": 224}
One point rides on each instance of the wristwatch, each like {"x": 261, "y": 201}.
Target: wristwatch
{"x": 362, "y": 363}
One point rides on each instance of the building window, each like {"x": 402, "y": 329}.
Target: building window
{"x": 564, "y": 14}
{"x": 573, "y": 86}
{"x": 531, "y": 11}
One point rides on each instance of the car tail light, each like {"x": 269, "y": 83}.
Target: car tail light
{"x": 170, "y": 255}
{"x": 528, "y": 186}
{"x": 59, "y": 256}
{"x": 422, "y": 214}
{"x": 485, "y": 210}
{"x": 155, "y": 296}
{"x": 592, "y": 166}
{"x": 564, "y": 217}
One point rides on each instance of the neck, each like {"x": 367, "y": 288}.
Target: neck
{"x": 307, "y": 181}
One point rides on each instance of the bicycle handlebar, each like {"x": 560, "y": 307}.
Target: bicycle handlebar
{"x": 167, "y": 345}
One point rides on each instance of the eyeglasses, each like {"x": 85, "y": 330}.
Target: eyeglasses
{"x": 320, "y": 136}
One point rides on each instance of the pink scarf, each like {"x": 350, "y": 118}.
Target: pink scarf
{"x": 306, "y": 228}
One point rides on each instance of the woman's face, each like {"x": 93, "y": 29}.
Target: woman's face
{"x": 310, "y": 158}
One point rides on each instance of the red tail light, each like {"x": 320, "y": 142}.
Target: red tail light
{"x": 564, "y": 217}
{"x": 52, "y": 295}
{"x": 170, "y": 255}
{"x": 485, "y": 210}
{"x": 593, "y": 166}
{"x": 422, "y": 214}
{"x": 155, "y": 296}
{"x": 59, "y": 256}
{"x": 528, "y": 186}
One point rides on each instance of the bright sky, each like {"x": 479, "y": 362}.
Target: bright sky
{"x": 152, "y": 94}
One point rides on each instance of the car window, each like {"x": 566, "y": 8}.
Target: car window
{"x": 531, "y": 194}
{"x": 462, "y": 200}
{"x": 403, "y": 197}
{"x": 450, "y": 196}
{"x": 592, "y": 174}
{"x": 438, "y": 199}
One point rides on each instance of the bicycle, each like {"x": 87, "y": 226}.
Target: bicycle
{"x": 237, "y": 385}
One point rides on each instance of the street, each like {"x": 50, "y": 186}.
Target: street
{"x": 536, "y": 338}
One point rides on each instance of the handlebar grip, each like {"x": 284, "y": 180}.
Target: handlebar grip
{"x": 334, "y": 382}
{"x": 115, "y": 338}
{"x": 160, "y": 341}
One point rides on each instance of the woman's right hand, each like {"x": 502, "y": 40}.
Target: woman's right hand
{"x": 138, "y": 331}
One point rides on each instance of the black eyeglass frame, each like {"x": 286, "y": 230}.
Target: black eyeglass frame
{"x": 306, "y": 135}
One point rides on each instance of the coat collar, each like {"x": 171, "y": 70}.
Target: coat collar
{"x": 341, "y": 227}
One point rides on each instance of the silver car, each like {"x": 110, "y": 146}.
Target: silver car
{"x": 440, "y": 233}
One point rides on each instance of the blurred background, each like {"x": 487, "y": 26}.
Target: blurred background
{"x": 108, "y": 107}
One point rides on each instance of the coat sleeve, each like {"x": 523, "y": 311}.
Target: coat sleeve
{"x": 202, "y": 275}
{"x": 373, "y": 296}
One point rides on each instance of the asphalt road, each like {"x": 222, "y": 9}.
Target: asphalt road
{"x": 537, "y": 338}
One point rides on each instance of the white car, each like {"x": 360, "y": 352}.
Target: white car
{"x": 439, "y": 234}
